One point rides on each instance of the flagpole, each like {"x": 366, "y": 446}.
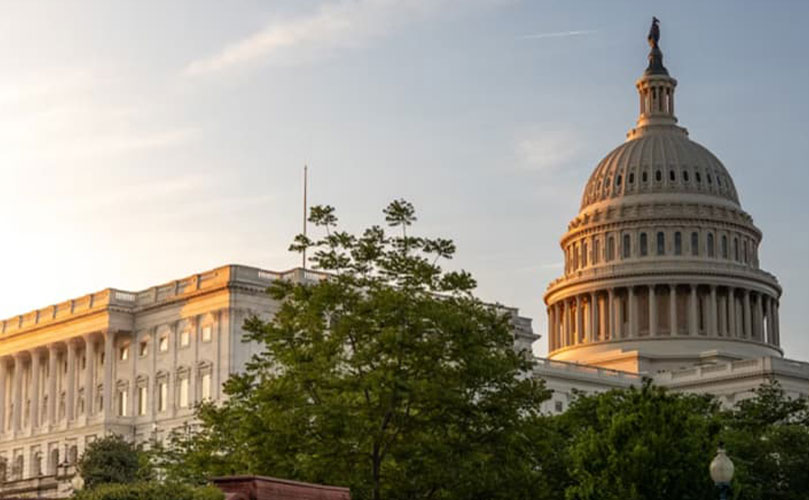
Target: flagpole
{"x": 305, "y": 186}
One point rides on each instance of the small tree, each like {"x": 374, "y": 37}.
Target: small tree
{"x": 388, "y": 376}
{"x": 112, "y": 459}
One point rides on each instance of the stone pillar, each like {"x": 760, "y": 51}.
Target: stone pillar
{"x": 619, "y": 317}
{"x": 551, "y": 334}
{"x": 565, "y": 323}
{"x": 612, "y": 329}
{"x": 760, "y": 317}
{"x": 713, "y": 325}
{"x": 16, "y": 418}
{"x": 723, "y": 314}
{"x": 768, "y": 301}
{"x": 3, "y": 381}
{"x": 70, "y": 390}
{"x": 89, "y": 374}
{"x": 748, "y": 321}
{"x": 673, "y": 310}
{"x": 652, "y": 311}
{"x": 693, "y": 324}
{"x": 593, "y": 317}
{"x": 35, "y": 369}
{"x": 52, "y": 375}
{"x": 109, "y": 359}
{"x": 579, "y": 320}
{"x": 776, "y": 322}
{"x": 731, "y": 304}
{"x": 632, "y": 313}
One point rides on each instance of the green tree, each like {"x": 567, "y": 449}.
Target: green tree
{"x": 767, "y": 437}
{"x": 388, "y": 376}
{"x": 112, "y": 459}
{"x": 149, "y": 491}
{"x": 640, "y": 444}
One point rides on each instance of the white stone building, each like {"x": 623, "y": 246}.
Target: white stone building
{"x": 662, "y": 275}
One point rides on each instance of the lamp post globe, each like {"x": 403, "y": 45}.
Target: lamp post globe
{"x": 721, "y": 469}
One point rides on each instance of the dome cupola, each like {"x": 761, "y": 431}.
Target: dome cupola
{"x": 661, "y": 263}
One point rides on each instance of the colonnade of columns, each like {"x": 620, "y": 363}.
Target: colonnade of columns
{"x": 47, "y": 386}
{"x": 663, "y": 310}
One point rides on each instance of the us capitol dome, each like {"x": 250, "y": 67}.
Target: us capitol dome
{"x": 661, "y": 262}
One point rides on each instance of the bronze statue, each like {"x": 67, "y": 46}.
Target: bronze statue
{"x": 654, "y": 32}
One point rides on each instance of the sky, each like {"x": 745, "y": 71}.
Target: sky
{"x": 142, "y": 142}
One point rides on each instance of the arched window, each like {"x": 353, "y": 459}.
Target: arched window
{"x": 699, "y": 177}
{"x": 724, "y": 247}
{"x": 645, "y": 176}
{"x": 661, "y": 243}
{"x": 625, "y": 251}
{"x": 583, "y": 254}
{"x": 745, "y": 251}
{"x": 631, "y": 178}
{"x": 596, "y": 251}
{"x": 610, "y": 248}
{"x": 658, "y": 176}
{"x": 736, "y": 249}
{"x": 694, "y": 243}
{"x": 678, "y": 243}
{"x": 644, "y": 245}
{"x": 710, "y": 245}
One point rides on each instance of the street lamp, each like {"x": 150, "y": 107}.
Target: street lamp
{"x": 722, "y": 472}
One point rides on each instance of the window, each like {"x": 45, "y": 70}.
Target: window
{"x": 710, "y": 245}
{"x": 558, "y": 406}
{"x": 143, "y": 348}
{"x": 143, "y": 394}
{"x": 644, "y": 245}
{"x": 183, "y": 396}
{"x": 610, "y": 248}
{"x": 123, "y": 401}
{"x": 658, "y": 176}
{"x": 694, "y": 243}
{"x": 745, "y": 251}
{"x": 584, "y": 254}
{"x": 678, "y": 243}
{"x": 631, "y": 178}
{"x": 671, "y": 175}
{"x": 661, "y": 243}
{"x": 626, "y": 249}
{"x": 724, "y": 247}
{"x": 123, "y": 353}
{"x": 736, "y": 249}
{"x": 685, "y": 176}
{"x": 205, "y": 386}
{"x": 162, "y": 395}
{"x": 207, "y": 333}
{"x": 618, "y": 180}
{"x": 163, "y": 343}
{"x": 645, "y": 176}
{"x": 185, "y": 338}
{"x": 699, "y": 178}
{"x": 596, "y": 251}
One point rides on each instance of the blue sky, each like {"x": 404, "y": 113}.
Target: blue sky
{"x": 145, "y": 141}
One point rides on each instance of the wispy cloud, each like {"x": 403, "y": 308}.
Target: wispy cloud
{"x": 334, "y": 25}
{"x": 545, "y": 150}
{"x": 558, "y": 34}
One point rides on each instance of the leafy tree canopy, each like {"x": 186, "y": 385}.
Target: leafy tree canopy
{"x": 112, "y": 459}
{"x": 389, "y": 376}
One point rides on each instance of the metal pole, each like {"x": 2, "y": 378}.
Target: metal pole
{"x": 305, "y": 186}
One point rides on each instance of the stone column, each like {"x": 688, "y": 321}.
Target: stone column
{"x": 652, "y": 311}
{"x": 760, "y": 317}
{"x": 776, "y": 321}
{"x": 619, "y": 317}
{"x": 693, "y": 324}
{"x": 109, "y": 359}
{"x": 565, "y": 323}
{"x": 16, "y": 418}
{"x": 35, "y": 369}
{"x": 673, "y": 310}
{"x": 713, "y": 325}
{"x": 52, "y": 375}
{"x": 551, "y": 334}
{"x": 579, "y": 320}
{"x": 612, "y": 325}
{"x": 70, "y": 390}
{"x": 748, "y": 321}
{"x": 593, "y": 317}
{"x": 3, "y": 381}
{"x": 768, "y": 301}
{"x": 632, "y": 313}
{"x": 731, "y": 301}
{"x": 89, "y": 375}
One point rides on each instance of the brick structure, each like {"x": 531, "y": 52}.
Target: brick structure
{"x": 270, "y": 488}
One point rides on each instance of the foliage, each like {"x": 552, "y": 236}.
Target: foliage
{"x": 149, "y": 491}
{"x": 112, "y": 459}
{"x": 640, "y": 444}
{"x": 768, "y": 439}
{"x": 389, "y": 376}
